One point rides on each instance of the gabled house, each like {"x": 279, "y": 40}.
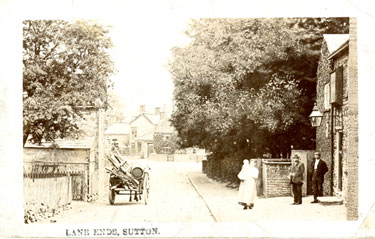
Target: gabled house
{"x": 142, "y": 129}
{"x": 337, "y": 100}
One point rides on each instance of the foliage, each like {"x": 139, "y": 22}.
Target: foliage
{"x": 66, "y": 66}
{"x": 115, "y": 106}
{"x": 160, "y": 142}
{"x": 244, "y": 85}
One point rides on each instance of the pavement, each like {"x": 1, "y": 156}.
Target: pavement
{"x": 222, "y": 202}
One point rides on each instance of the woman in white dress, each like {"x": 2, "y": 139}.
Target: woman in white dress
{"x": 247, "y": 191}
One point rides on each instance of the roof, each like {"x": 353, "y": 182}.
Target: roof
{"x": 164, "y": 127}
{"x": 152, "y": 118}
{"x": 145, "y": 138}
{"x": 84, "y": 143}
{"x": 335, "y": 41}
{"x": 118, "y": 128}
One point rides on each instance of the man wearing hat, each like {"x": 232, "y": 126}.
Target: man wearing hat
{"x": 319, "y": 169}
{"x": 296, "y": 179}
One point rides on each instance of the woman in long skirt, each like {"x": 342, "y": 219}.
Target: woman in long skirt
{"x": 247, "y": 191}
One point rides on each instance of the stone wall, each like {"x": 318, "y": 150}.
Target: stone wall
{"x": 275, "y": 177}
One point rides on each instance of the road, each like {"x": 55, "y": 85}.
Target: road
{"x": 172, "y": 199}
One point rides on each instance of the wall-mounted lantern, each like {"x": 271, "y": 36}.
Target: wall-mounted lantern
{"x": 315, "y": 117}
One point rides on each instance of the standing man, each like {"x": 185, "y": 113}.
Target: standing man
{"x": 319, "y": 169}
{"x": 296, "y": 179}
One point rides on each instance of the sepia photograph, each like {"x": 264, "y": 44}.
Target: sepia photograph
{"x": 148, "y": 121}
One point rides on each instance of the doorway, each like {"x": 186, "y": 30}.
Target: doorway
{"x": 339, "y": 160}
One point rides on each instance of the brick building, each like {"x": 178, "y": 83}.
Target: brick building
{"x": 337, "y": 100}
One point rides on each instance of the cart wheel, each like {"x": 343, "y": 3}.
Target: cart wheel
{"x": 112, "y": 196}
{"x": 146, "y": 188}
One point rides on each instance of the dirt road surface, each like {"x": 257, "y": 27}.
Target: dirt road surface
{"x": 172, "y": 199}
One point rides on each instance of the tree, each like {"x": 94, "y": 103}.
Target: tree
{"x": 242, "y": 83}
{"x": 116, "y": 106}
{"x": 160, "y": 142}
{"x": 65, "y": 66}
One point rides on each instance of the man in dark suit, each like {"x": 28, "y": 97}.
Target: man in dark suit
{"x": 319, "y": 169}
{"x": 296, "y": 179}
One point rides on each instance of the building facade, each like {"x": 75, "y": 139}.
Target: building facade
{"x": 337, "y": 100}
{"x": 142, "y": 129}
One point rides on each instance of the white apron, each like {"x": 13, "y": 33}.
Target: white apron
{"x": 247, "y": 191}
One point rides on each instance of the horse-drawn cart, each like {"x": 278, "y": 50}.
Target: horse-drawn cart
{"x": 127, "y": 178}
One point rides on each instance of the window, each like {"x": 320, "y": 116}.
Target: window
{"x": 336, "y": 86}
{"x": 134, "y": 132}
{"x": 327, "y": 104}
{"x": 133, "y": 147}
{"x": 115, "y": 143}
{"x": 166, "y": 150}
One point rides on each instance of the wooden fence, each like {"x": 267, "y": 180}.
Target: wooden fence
{"x": 53, "y": 190}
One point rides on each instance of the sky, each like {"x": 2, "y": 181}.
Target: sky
{"x": 143, "y": 38}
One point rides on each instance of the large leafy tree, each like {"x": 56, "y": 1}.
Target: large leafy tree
{"x": 116, "y": 106}
{"x": 66, "y": 65}
{"x": 160, "y": 142}
{"x": 244, "y": 85}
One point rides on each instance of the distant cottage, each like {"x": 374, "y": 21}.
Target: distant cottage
{"x": 118, "y": 134}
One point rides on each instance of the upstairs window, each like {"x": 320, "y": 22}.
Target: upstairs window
{"x": 336, "y": 86}
{"x": 327, "y": 90}
{"x": 134, "y": 132}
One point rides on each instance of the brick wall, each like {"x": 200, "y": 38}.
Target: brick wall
{"x": 341, "y": 60}
{"x": 275, "y": 178}
{"x": 352, "y": 126}
{"x": 349, "y": 109}
{"x": 323, "y": 139}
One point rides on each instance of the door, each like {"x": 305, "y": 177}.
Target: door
{"x": 339, "y": 159}
{"x": 307, "y": 157}
{"x": 77, "y": 185}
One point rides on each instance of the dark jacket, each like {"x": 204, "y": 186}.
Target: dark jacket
{"x": 318, "y": 174}
{"x": 298, "y": 171}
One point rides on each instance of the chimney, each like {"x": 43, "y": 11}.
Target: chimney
{"x": 163, "y": 115}
{"x": 157, "y": 110}
{"x": 142, "y": 108}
